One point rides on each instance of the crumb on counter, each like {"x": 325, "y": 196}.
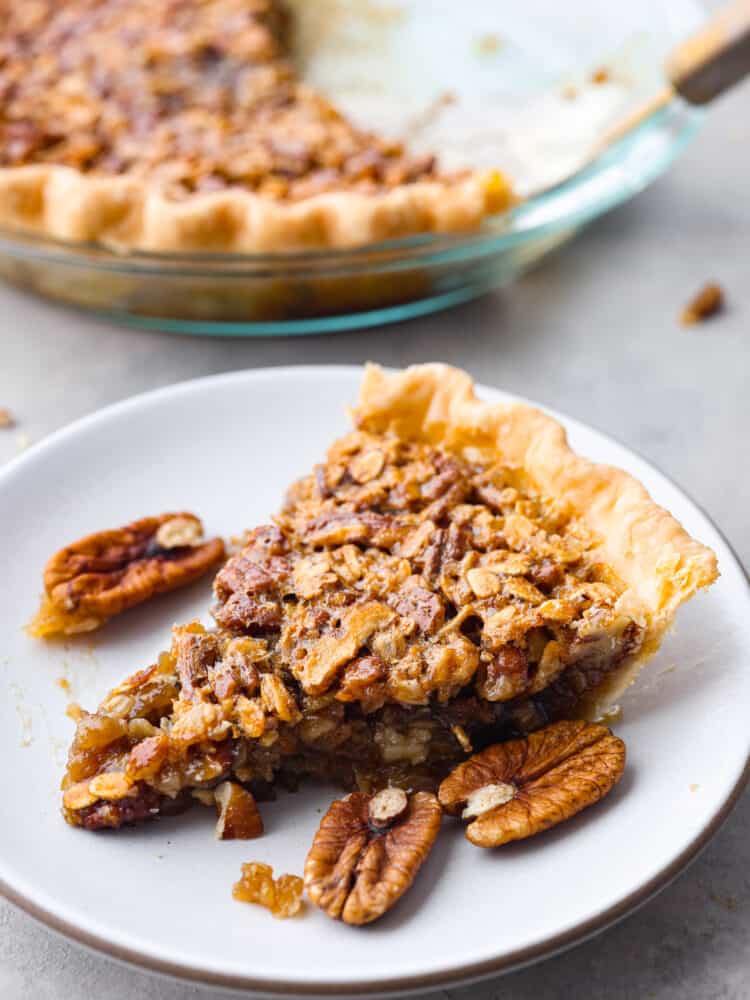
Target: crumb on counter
{"x": 489, "y": 44}
{"x": 728, "y": 902}
{"x": 708, "y": 302}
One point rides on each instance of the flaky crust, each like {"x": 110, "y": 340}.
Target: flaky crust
{"x": 660, "y": 564}
{"x": 127, "y": 214}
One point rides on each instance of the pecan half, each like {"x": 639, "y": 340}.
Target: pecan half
{"x": 368, "y": 851}
{"x": 513, "y": 790}
{"x": 103, "y": 574}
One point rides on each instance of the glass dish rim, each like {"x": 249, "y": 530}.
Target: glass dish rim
{"x": 499, "y": 233}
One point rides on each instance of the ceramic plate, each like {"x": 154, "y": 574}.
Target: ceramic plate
{"x": 160, "y": 895}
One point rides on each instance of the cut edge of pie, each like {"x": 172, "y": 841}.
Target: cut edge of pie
{"x": 128, "y": 214}
{"x": 661, "y": 565}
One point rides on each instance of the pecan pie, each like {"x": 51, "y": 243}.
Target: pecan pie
{"x": 452, "y": 576}
{"x": 183, "y": 125}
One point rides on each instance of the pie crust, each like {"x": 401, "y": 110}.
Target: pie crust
{"x": 126, "y": 214}
{"x": 657, "y": 560}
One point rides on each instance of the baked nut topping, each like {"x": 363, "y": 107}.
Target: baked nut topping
{"x": 103, "y": 574}
{"x": 196, "y": 103}
{"x": 513, "y": 790}
{"x": 368, "y": 851}
{"x": 282, "y": 896}
{"x": 398, "y": 572}
{"x": 239, "y": 818}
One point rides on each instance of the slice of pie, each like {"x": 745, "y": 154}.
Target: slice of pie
{"x": 451, "y": 576}
{"x": 184, "y": 127}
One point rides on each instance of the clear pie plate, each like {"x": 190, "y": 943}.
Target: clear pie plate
{"x": 498, "y": 87}
{"x": 159, "y": 895}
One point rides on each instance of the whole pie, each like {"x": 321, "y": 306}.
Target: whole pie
{"x": 452, "y": 575}
{"x": 182, "y": 125}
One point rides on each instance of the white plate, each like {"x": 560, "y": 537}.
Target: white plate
{"x": 159, "y": 895}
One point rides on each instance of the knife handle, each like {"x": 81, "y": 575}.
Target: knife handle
{"x": 715, "y": 57}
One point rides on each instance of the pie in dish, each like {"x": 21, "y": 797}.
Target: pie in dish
{"x": 451, "y": 576}
{"x": 183, "y": 126}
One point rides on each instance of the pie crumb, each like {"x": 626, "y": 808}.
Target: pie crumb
{"x": 74, "y": 711}
{"x": 282, "y": 895}
{"x": 708, "y": 302}
{"x": 694, "y": 787}
{"x": 601, "y": 75}
{"x": 6, "y": 418}
{"x": 489, "y": 44}
{"x": 728, "y": 902}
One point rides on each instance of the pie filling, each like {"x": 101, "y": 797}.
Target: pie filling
{"x": 187, "y": 95}
{"x": 406, "y": 608}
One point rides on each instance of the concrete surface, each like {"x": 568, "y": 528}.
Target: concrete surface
{"x": 593, "y": 332}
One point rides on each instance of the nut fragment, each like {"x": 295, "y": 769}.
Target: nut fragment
{"x": 179, "y": 531}
{"x": 387, "y": 806}
{"x": 513, "y": 790}
{"x": 486, "y": 798}
{"x": 6, "y": 418}
{"x": 708, "y": 302}
{"x": 108, "y": 572}
{"x": 483, "y": 582}
{"x": 355, "y": 872}
{"x": 147, "y": 757}
{"x": 239, "y": 818}
{"x": 367, "y": 466}
{"x": 111, "y": 785}
{"x": 282, "y": 896}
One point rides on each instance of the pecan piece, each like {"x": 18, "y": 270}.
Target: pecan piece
{"x": 708, "y": 302}
{"x": 505, "y": 676}
{"x": 103, "y": 574}
{"x": 421, "y": 606}
{"x": 368, "y": 851}
{"x": 282, "y": 895}
{"x": 513, "y": 790}
{"x": 239, "y": 818}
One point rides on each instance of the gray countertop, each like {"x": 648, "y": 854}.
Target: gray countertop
{"x": 593, "y": 332}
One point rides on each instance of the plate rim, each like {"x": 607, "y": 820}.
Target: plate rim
{"x": 471, "y": 972}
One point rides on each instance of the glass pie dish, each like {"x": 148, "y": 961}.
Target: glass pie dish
{"x": 507, "y": 70}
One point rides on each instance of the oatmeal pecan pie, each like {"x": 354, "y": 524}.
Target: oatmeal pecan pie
{"x": 451, "y": 576}
{"x": 183, "y": 125}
